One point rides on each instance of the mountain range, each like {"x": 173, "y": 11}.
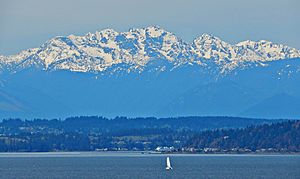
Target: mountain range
{"x": 150, "y": 72}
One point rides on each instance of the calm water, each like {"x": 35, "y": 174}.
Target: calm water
{"x": 134, "y": 165}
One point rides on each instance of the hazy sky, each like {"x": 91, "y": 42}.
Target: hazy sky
{"x": 29, "y": 23}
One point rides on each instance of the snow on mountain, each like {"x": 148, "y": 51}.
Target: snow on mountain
{"x": 102, "y": 50}
{"x": 229, "y": 56}
{"x": 266, "y": 51}
{"x": 23, "y": 59}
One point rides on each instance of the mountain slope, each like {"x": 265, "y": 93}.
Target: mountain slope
{"x": 146, "y": 72}
{"x": 277, "y": 106}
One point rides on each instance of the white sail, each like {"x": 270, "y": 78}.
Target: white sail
{"x": 168, "y": 164}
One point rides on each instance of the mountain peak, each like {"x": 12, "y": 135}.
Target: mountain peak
{"x": 208, "y": 40}
{"x": 105, "y": 49}
{"x": 207, "y": 36}
{"x": 107, "y": 31}
{"x": 155, "y": 31}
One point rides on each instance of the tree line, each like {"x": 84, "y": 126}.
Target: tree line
{"x": 185, "y": 134}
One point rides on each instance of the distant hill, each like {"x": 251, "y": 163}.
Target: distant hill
{"x": 280, "y": 105}
{"x": 121, "y": 133}
{"x": 276, "y": 137}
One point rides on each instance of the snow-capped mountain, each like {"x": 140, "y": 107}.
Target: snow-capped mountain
{"x": 107, "y": 49}
{"x": 150, "y": 72}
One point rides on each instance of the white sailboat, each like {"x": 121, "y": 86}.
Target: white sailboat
{"x": 168, "y": 164}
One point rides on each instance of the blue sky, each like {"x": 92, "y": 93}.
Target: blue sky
{"x": 29, "y": 23}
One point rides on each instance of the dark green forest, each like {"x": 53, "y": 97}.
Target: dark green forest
{"x": 181, "y": 134}
{"x": 276, "y": 137}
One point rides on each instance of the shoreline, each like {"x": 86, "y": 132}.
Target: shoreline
{"x": 132, "y": 154}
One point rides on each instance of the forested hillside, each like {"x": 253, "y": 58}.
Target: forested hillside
{"x": 182, "y": 134}
{"x": 279, "y": 137}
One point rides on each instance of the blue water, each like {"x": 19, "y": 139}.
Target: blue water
{"x": 135, "y": 165}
